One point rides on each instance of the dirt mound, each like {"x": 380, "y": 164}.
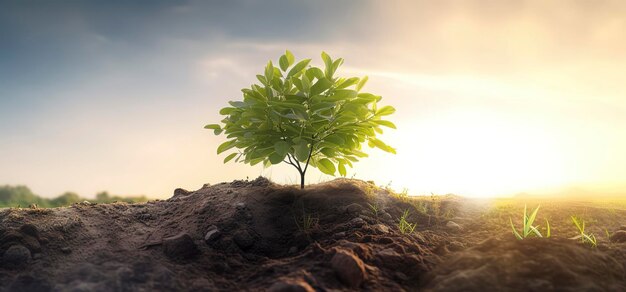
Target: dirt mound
{"x": 241, "y": 235}
{"x": 533, "y": 264}
{"x": 259, "y": 236}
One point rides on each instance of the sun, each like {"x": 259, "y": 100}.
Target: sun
{"x": 476, "y": 153}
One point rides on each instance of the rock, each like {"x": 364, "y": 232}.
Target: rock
{"x": 453, "y": 226}
{"x": 212, "y": 233}
{"x": 381, "y": 228}
{"x": 290, "y": 285}
{"x": 181, "y": 192}
{"x": 341, "y": 234}
{"x": 30, "y": 229}
{"x": 455, "y": 246}
{"x": 66, "y": 250}
{"x": 260, "y": 182}
{"x": 358, "y": 222}
{"x": 243, "y": 239}
{"x": 407, "y": 263}
{"x": 240, "y": 206}
{"x": 618, "y": 236}
{"x": 385, "y": 216}
{"x": 349, "y": 268}
{"x": 180, "y": 246}
{"x": 17, "y": 256}
{"x": 354, "y": 208}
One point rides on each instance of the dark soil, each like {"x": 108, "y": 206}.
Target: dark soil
{"x": 259, "y": 236}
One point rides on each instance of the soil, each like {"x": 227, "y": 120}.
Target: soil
{"x": 340, "y": 235}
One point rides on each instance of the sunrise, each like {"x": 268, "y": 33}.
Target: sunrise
{"x": 437, "y": 123}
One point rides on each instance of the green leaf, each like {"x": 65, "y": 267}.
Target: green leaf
{"x": 515, "y": 231}
{"x": 329, "y": 152}
{"x": 306, "y": 84}
{"x": 226, "y": 111}
{"x": 342, "y": 94}
{"x": 230, "y": 157}
{"x": 348, "y": 82}
{"x": 213, "y": 127}
{"x": 320, "y": 86}
{"x": 387, "y": 124}
{"x": 282, "y": 148}
{"x": 382, "y": 146}
{"x": 290, "y": 57}
{"x": 316, "y": 72}
{"x": 226, "y": 145}
{"x": 283, "y": 62}
{"x": 326, "y": 166}
{"x": 328, "y": 62}
{"x": 301, "y": 150}
{"x": 269, "y": 72}
{"x": 336, "y": 139}
{"x": 238, "y": 104}
{"x": 342, "y": 169}
{"x": 361, "y": 83}
{"x": 298, "y": 67}
{"x": 276, "y": 158}
{"x": 386, "y": 110}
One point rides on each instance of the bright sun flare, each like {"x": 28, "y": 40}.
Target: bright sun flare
{"x": 478, "y": 154}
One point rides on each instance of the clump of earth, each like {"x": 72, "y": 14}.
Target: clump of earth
{"x": 260, "y": 236}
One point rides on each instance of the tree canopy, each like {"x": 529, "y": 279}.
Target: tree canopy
{"x": 304, "y": 116}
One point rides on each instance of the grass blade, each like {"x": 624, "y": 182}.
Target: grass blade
{"x": 515, "y": 231}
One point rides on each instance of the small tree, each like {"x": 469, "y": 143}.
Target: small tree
{"x": 303, "y": 116}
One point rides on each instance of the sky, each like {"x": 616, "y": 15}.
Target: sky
{"x": 493, "y": 97}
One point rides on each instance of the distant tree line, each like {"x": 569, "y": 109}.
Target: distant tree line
{"x": 22, "y": 196}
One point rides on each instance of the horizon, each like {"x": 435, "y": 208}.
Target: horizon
{"x": 492, "y": 99}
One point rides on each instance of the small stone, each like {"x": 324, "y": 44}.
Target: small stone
{"x": 16, "y": 255}
{"x": 340, "y": 234}
{"x": 180, "y": 192}
{"x": 618, "y": 236}
{"x": 455, "y": 246}
{"x": 358, "y": 222}
{"x": 349, "y": 268}
{"x": 453, "y": 226}
{"x": 212, "y": 233}
{"x": 240, "y": 206}
{"x": 354, "y": 208}
{"x": 291, "y": 285}
{"x": 180, "y": 246}
{"x": 381, "y": 228}
{"x": 243, "y": 239}
{"x": 66, "y": 250}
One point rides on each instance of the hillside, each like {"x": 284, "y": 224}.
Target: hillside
{"x": 22, "y": 196}
{"x": 260, "y": 236}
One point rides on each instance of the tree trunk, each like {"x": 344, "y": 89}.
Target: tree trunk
{"x": 302, "y": 180}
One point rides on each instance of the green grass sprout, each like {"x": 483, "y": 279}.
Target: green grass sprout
{"x": 404, "y": 225}
{"x": 584, "y": 237}
{"x": 527, "y": 229}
